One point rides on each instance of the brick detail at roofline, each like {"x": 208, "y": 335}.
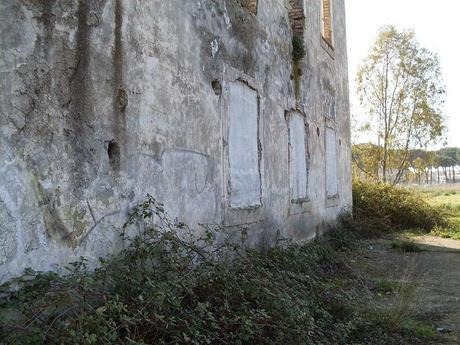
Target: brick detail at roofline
{"x": 296, "y": 17}
{"x": 250, "y": 6}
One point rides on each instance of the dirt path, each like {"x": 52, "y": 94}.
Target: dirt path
{"x": 435, "y": 272}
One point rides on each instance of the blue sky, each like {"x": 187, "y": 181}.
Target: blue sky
{"x": 436, "y": 26}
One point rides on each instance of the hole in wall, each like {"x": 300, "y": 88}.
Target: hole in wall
{"x": 317, "y": 131}
{"x": 340, "y": 142}
{"x": 113, "y": 151}
{"x": 217, "y": 87}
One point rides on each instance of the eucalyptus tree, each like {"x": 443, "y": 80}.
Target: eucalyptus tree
{"x": 400, "y": 85}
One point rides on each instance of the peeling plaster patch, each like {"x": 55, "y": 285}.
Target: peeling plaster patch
{"x": 55, "y": 227}
{"x": 214, "y": 47}
{"x": 227, "y": 18}
{"x": 185, "y": 178}
{"x": 7, "y": 233}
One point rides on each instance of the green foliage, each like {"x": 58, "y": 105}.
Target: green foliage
{"x": 448, "y": 200}
{"x": 366, "y": 160}
{"x": 343, "y": 237}
{"x": 449, "y": 232}
{"x": 380, "y": 208}
{"x": 170, "y": 287}
{"x": 391, "y": 322}
{"x": 449, "y": 156}
{"x": 298, "y": 48}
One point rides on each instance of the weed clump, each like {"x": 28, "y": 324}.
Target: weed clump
{"x": 381, "y": 208}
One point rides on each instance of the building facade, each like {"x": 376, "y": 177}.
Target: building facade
{"x": 207, "y": 105}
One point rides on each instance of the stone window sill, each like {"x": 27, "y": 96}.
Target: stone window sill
{"x": 328, "y": 48}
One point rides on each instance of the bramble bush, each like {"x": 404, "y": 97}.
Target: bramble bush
{"x": 383, "y": 208}
{"x": 171, "y": 287}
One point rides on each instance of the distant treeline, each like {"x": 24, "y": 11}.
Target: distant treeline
{"x": 419, "y": 166}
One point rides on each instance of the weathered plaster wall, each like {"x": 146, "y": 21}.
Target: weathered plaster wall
{"x": 103, "y": 101}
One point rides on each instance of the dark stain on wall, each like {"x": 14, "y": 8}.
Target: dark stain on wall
{"x": 49, "y": 20}
{"x": 246, "y": 29}
{"x": 113, "y": 151}
{"x": 80, "y": 105}
{"x": 55, "y": 227}
{"x": 120, "y": 96}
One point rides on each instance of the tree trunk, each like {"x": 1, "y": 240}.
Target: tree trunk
{"x": 384, "y": 163}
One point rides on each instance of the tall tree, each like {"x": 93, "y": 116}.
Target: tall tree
{"x": 400, "y": 85}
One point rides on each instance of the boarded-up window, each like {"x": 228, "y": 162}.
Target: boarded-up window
{"x": 243, "y": 148}
{"x": 326, "y": 18}
{"x": 331, "y": 163}
{"x": 297, "y": 157}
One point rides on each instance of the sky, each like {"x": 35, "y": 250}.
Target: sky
{"x": 435, "y": 25}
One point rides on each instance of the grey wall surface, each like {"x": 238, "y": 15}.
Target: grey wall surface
{"x": 104, "y": 101}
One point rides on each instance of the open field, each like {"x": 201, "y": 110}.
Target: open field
{"x": 448, "y": 199}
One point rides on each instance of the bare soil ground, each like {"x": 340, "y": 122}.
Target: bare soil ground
{"x": 434, "y": 272}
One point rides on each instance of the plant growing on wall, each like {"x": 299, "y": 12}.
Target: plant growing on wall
{"x": 298, "y": 53}
{"x": 298, "y": 48}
